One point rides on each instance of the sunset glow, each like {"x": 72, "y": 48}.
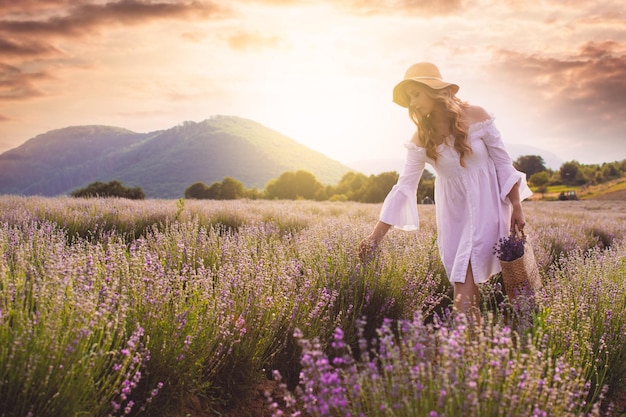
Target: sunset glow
{"x": 320, "y": 72}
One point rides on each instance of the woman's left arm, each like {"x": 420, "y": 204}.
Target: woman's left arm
{"x": 512, "y": 183}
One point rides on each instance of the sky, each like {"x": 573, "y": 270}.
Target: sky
{"x": 552, "y": 72}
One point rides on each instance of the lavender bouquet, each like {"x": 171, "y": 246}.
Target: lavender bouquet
{"x": 509, "y": 248}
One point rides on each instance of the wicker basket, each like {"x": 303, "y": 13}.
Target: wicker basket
{"x": 521, "y": 276}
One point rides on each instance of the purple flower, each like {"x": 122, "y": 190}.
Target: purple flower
{"x": 509, "y": 248}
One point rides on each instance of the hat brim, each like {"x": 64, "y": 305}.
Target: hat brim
{"x": 400, "y": 98}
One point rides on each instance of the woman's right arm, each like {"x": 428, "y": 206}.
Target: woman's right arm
{"x": 379, "y": 232}
{"x": 400, "y": 206}
{"x": 377, "y": 235}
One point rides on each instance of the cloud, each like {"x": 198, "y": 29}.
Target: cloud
{"x": 245, "y": 41}
{"x": 195, "y": 37}
{"x": 16, "y": 84}
{"x": 281, "y": 2}
{"x": 28, "y": 29}
{"x": 85, "y": 18}
{"x": 424, "y": 8}
{"x": 25, "y": 48}
{"x": 606, "y": 21}
{"x": 580, "y": 95}
{"x": 593, "y": 77}
{"x": 22, "y": 6}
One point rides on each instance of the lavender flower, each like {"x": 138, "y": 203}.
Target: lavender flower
{"x": 509, "y": 248}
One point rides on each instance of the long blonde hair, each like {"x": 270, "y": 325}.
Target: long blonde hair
{"x": 454, "y": 108}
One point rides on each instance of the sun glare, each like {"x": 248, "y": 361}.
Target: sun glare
{"x": 312, "y": 101}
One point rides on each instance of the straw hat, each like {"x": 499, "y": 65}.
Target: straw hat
{"x": 423, "y": 73}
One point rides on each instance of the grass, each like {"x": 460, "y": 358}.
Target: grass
{"x": 596, "y": 191}
{"x": 113, "y": 307}
{"x": 584, "y": 192}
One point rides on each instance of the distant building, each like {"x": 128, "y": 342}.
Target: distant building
{"x": 568, "y": 195}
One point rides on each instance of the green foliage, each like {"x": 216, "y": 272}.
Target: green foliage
{"x": 353, "y": 186}
{"x": 180, "y": 206}
{"x": 253, "y": 194}
{"x": 610, "y": 171}
{"x": 214, "y": 191}
{"x": 303, "y": 185}
{"x": 378, "y": 187}
{"x": 539, "y": 179}
{"x": 358, "y": 187}
{"x": 373, "y": 189}
{"x": 197, "y": 190}
{"x": 228, "y": 189}
{"x": 573, "y": 173}
{"x": 231, "y": 189}
{"x": 294, "y": 185}
{"x": 111, "y": 189}
{"x": 350, "y": 186}
{"x": 570, "y": 173}
{"x": 530, "y": 164}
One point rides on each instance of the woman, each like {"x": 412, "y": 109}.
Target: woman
{"x": 478, "y": 192}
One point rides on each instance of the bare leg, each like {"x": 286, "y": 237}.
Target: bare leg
{"x": 467, "y": 297}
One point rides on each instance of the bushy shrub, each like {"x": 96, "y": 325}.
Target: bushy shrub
{"x": 445, "y": 369}
{"x": 111, "y": 189}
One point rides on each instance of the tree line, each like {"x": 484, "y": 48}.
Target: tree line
{"x": 354, "y": 186}
{"x": 570, "y": 173}
{"x": 373, "y": 189}
{"x": 302, "y": 185}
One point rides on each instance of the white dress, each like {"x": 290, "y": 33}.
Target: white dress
{"x": 472, "y": 207}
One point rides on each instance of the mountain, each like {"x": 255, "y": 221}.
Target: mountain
{"x": 163, "y": 163}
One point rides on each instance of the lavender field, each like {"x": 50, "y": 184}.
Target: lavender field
{"x": 114, "y": 307}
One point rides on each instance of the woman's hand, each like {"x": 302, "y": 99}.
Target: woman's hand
{"x": 517, "y": 218}
{"x": 367, "y": 248}
{"x": 517, "y": 215}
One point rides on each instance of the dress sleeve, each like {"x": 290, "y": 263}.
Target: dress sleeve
{"x": 400, "y": 206}
{"x": 506, "y": 172}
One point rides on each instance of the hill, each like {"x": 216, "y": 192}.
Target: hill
{"x": 611, "y": 190}
{"x": 163, "y": 163}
